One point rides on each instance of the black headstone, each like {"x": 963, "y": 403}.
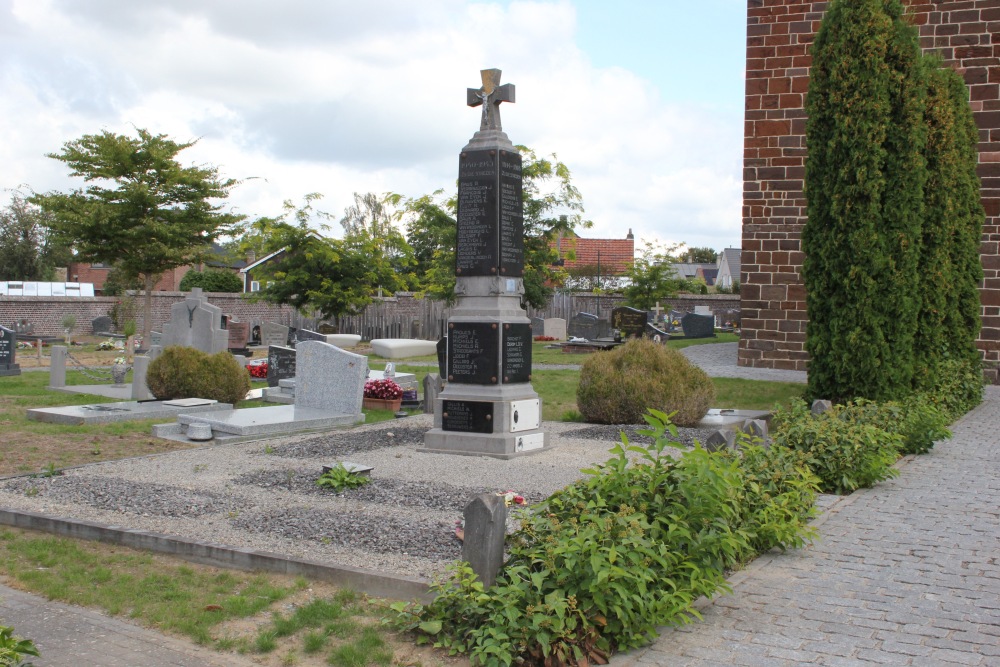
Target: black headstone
{"x": 473, "y": 352}
{"x": 8, "y": 352}
{"x": 280, "y": 364}
{"x": 537, "y": 326}
{"x": 467, "y": 416}
{"x": 698, "y": 326}
{"x": 629, "y": 321}
{"x": 442, "y": 354}
{"x": 490, "y": 229}
{"x": 101, "y": 324}
{"x": 327, "y": 328}
{"x": 583, "y": 325}
{"x": 516, "y": 353}
{"x": 305, "y": 334}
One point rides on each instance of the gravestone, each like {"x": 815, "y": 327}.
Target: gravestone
{"x": 327, "y": 328}
{"x": 57, "y": 366}
{"x": 8, "y": 352}
{"x": 584, "y": 325}
{"x": 432, "y": 387}
{"x": 328, "y": 378}
{"x": 703, "y": 310}
{"x": 442, "y": 355}
{"x": 555, "y": 327}
{"x": 306, "y": 334}
{"x": 102, "y": 324}
{"x": 720, "y": 439}
{"x": 140, "y": 366}
{"x": 488, "y": 406}
{"x": 537, "y": 326}
{"x": 156, "y": 339}
{"x": 196, "y": 323}
{"x": 698, "y": 326}
{"x": 255, "y": 334}
{"x": 819, "y": 406}
{"x": 485, "y": 530}
{"x": 273, "y": 334}
{"x": 239, "y": 337}
{"x": 674, "y": 316}
{"x": 630, "y": 322}
{"x": 281, "y": 364}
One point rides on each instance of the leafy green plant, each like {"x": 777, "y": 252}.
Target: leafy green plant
{"x": 916, "y": 419}
{"x": 340, "y": 478}
{"x": 211, "y": 280}
{"x": 616, "y": 387}
{"x": 184, "y": 372}
{"x": 845, "y": 454}
{"x": 601, "y": 563}
{"x": 13, "y": 649}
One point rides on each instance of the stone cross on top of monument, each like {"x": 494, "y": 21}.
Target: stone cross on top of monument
{"x": 490, "y": 96}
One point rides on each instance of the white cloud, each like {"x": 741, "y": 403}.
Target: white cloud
{"x": 344, "y": 96}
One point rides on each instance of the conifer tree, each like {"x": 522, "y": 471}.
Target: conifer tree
{"x": 864, "y": 182}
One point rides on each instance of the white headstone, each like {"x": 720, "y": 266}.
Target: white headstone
{"x": 555, "y": 327}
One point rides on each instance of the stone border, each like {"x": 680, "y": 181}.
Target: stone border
{"x": 376, "y": 584}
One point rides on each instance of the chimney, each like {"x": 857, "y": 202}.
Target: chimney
{"x": 251, "y": 257}
{"x": 629, "y": 237}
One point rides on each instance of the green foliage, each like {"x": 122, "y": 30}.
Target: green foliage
{"x": 916, "y": 420}
{"x": 340, "y": 478}
{"x": 600, "y": 564}
{"x": 865, "y": 180}
{"x": 371, "y": 222}
{"x": 431, "y": 230}
{"x": 949, "y": 319}
{"x": 13, "y": 649}
{"x": 211, "y": 280}
{"x": 702, "y": 255}
{"x": 184, "y": 372}
{"x": 651, "y": 278}
{"x": 117, "y": 282}
{"x": 142, "y": 211}
{"x": 124, "y": 310}
{"x": 956, "y": 388}
{"x": 28, "y": 249}
{"x": 846, "y": 454}
{"x": 617, "y": 387}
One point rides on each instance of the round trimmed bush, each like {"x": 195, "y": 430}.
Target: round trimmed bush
{"x": 184, "y": 372}
{"x": 617, "y": 387}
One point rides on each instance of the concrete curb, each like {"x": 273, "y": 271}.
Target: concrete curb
{"x": 365, "y": 581}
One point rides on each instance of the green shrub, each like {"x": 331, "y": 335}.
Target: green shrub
{"x": 617, "y": 387}
{"x": 212, "y": 280}
{"x": 844, "y": 454}
{"x": 916, "y": 420}
{"x": 956, "y": 387}
{"x": 184, "y": 372}
{"x": 603, "y": 562}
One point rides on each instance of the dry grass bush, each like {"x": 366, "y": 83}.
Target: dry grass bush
{"x": 184, "y": 372}
{"x": 617, "y": 387}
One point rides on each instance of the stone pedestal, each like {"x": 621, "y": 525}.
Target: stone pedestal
{"x": 488, "y": 407}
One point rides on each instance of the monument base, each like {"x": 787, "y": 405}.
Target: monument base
{"x": 502, "y": 422}
{"x": 9, "y": 369}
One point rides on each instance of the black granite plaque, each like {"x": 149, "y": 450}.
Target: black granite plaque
{"x": 280, "y": 364}
{"x": 476, "y": 245}
{"x": 305, "y": 334}
{"x": 511, "y": 216}
{"x": 516, "y": 353}
{"x": 473, "y": 353}
{"x": 629, "y": 321}
{"x": 467, "y": 416}
{"x": 8, "y": 352}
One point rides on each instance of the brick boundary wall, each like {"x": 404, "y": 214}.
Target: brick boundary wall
{"x": 779, "y": 36}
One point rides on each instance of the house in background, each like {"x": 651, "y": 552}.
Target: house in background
{"x": 253, "y": 266}
{"x": 694, "y": 271}
{"x": 729, "y": 267}
{"x": 595, "y": 259}
{"x": 170, "y": 281}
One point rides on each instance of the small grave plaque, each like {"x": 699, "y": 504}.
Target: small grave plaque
{"x": 516, "y": 353}
{"x": 467, "y": 416}
{"x": 629, "y": 321}
{"x": 280, "y": 364}
{"x": 476, "y": 245}
{"x": 473, "y": 354}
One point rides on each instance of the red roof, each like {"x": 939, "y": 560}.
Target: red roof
{"x": 615, "y": 255}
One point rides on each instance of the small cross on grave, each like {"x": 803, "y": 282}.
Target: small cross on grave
{"x": 657, "y": 310}
{"x": 490, "y": 96}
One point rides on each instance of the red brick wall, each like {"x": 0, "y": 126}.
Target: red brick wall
{"x": 170, "y": 281}
{"x": 779, "y": 35}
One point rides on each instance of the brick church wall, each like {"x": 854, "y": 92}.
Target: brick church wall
{"x": 779, "y": 36}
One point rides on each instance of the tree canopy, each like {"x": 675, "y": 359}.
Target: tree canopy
{"x": 28, "y": 249}
{"x": 141, "y": 210}
{"x": 651, "y": 278}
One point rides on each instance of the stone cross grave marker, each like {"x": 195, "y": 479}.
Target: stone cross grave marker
{"x": 196, "y": 323}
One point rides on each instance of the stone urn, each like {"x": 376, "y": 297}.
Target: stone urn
{"x": 118, "y": 373}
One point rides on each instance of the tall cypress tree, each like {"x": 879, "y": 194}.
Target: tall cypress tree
{"x": 950, "y": 268}
{"x": 864, "y": 181}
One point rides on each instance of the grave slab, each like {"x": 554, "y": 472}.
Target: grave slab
{"x": 269, "y": 421}
{"x": 718, "y": 418}
{"x": 106, "y": 413}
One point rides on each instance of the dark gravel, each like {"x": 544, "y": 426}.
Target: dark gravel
{"x": 352, "y": 442}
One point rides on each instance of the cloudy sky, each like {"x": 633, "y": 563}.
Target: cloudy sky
{"x": 642, "y": 99}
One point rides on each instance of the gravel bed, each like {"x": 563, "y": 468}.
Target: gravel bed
{"x": 612, "y": 432}
{"x": 119, "y": 495}
{"x": 353, "y": 442}
{"x": 379, "y": 491}
{"x": 373, "y": 531}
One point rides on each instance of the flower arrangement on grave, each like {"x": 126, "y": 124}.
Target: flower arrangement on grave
{"x": 258, "y": 370}
{"x": 541, "y": 339}
{"x": 119, "y": 361}
{"x": 106, "y": 345}
{"x": 385, "y": 389}
{"x": 512, "y": 498}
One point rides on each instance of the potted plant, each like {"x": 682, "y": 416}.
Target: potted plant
{"x": 382, "y": 394}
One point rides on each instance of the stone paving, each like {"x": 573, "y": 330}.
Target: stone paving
{"x": 906, "y": 573}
